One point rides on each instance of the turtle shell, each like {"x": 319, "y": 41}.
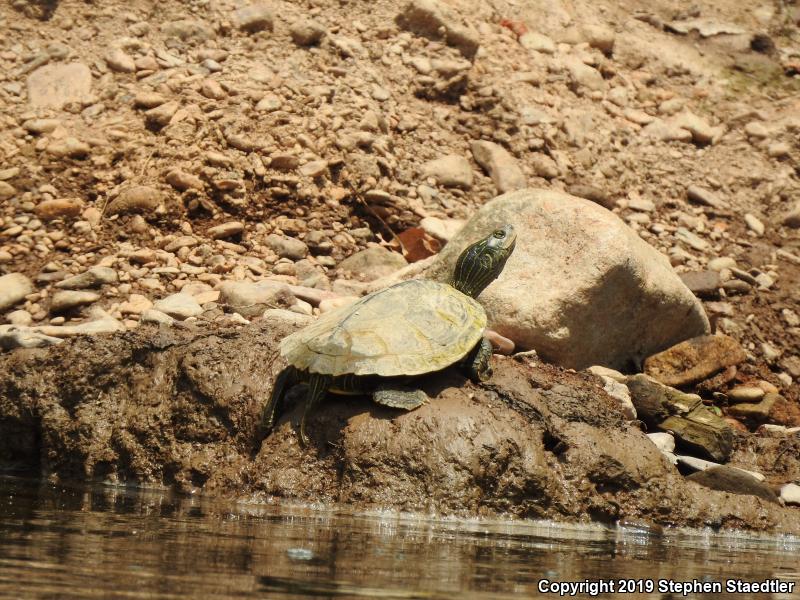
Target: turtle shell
{"x": 413, "y": 327}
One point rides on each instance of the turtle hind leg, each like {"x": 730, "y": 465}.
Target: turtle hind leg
{"x": 400, "y": 397}
{"x": 477, "y": 363}
{"x": 285, "y": 380}
{"x": 318, "y": 386}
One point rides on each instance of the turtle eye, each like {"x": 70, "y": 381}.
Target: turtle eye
{"x": 499, "y": 234}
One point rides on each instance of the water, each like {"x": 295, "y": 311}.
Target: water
{"x": 110, "y": 542}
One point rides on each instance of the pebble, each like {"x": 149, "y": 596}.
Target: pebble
{"x": 136, "y": 304}
{"x": 441, "y": 229}
{"x": 287, "y": 247}
{"x": 253, "y": 18}
{"x": 306, "y": 32}
{"x": 434, "y": 20}
{"x": 92, "y": 278}
{"x": 779, "y": 150}
{"x": 452, "y": 170}
{"x": 54, "y": 85}
{"x": 151, "y": 315}
{"x": 754, "y": 224}
{"x": 135, "y": 199}
{"x": 733, "y": 480}
{"x": 757, "y": 130}
{"x": 537, "y": 42}
{"x": 724, "y": 262}
{"x": 619, "y": 391}
{"x": 664, "y": 441}
{"x": 7, "y": 191}
{"x": 161, "y": 115}
{"x": 13, "y": 289}
{"x": 499, "y": 165}
{"x": 178, "y": 306}
{"x": 792, "y": 218}
{"x": 15, "y": 336}
{"x": 21, "y": 318}
{"x": 746, "y": 393}
{"x": 790, "y": 493}
{"x": 67, "y": 300}
{"x": 286, "y": 317}
{"x": 120, "y": 61}
{"x": 701, "y": 195}
{"x": 225, "y": 230}
{"x": 703, "y": 284}
{"x": 373, "y": 262}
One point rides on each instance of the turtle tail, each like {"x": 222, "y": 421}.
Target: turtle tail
{"x": 283, "y": 383}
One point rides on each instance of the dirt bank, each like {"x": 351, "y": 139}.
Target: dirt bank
{"x": 180, "y": 406}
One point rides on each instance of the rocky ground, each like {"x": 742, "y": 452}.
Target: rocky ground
{"x": 215, "y": 163}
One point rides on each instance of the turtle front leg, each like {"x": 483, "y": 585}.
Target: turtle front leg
{"x": 477, "y": 361}
{"x": 285, "y": 380}
{"x": 318, "y": 386}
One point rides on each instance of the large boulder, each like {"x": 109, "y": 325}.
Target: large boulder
{"x": 581, "y": 287}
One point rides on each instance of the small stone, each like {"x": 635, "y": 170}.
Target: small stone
{"x": 287, "y": 247}
{"x": 544, "y": 166}
{"x": 583, "y": 76}
{"x": 183, "y": 181}
{"x": 779, "y": 150}
{"x": 284, "y": 161}
{"x": 746, "y": 393}
{"x": 92, "y": 278}
{"x": 253, "y": 18}
{"x": 701, "y": 131}
{"x": 135, "y": 199}
{"x": 600, "y": 37}
{"x": 120, "y": 61}
{"x": 54, "y": 85}
{"x": 537, "y": 42}
{"x": 602, "y": 371}
{"x": 663, "y": 441}
{"x": 692, "y": 239}
{"x": 288, "y": 317}
{"x": 69, "y": 147}
{"x": 666, "y": 132}
{"x": 20, "y": 318}
{"x": 619, "y": 391}
{"x": 252, "y": 299}
{"x": 435, "y": 20}
{"x": 773, "y": 408}
{"x": 179, "y": 306}
{"x": 67, "y": 300}
{"x": 694, "y": 360}
{"x": 792, "y": 218}
{"x": 754, "y": 224}
{"x": 146, "y": 99}
{"x": 135, "y": 305}
{"x": 13, "y": 289}
{"x": 450, "y": 171}
{"x": 183, "y": 241}
{"x": 61, "y": 208}
{"x": 161, "y": 115}
{"x": 314, "y": 168}
{"x": 499, "y": 165}
{"x": 756, "y": 130}
{"x": 225, "y": 230}
{"x": 701, "y": 195}
{"x": 723, "y": 262}
{"x": 373, "y": 263}
{"x": 330, "y": 304}
{"x": 441, "y": 229}
{"x": 269, "y": 103}
{"x": 210, "y": 88}
{"x": 7, "y": 191}
{"x": 306, "y": 32}
{"x": 704, "y": 284}
{"x": 156, "y": 316}
{"x": 790, "y": 493}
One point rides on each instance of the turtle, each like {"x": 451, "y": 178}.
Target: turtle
{"x": 380, "y": 342}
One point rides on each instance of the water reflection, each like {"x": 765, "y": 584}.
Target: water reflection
{"x": 103, "y": 542}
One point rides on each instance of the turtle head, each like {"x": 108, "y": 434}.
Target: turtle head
{"x": 481, "y": 263}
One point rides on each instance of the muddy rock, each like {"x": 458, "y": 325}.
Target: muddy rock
{"x": 694, "y": 360}
{"x": 533, "y": 442}
{"x": 135, "y": 199}
{"x": 736, "y": 481}
{"x": 631, "y": 301}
